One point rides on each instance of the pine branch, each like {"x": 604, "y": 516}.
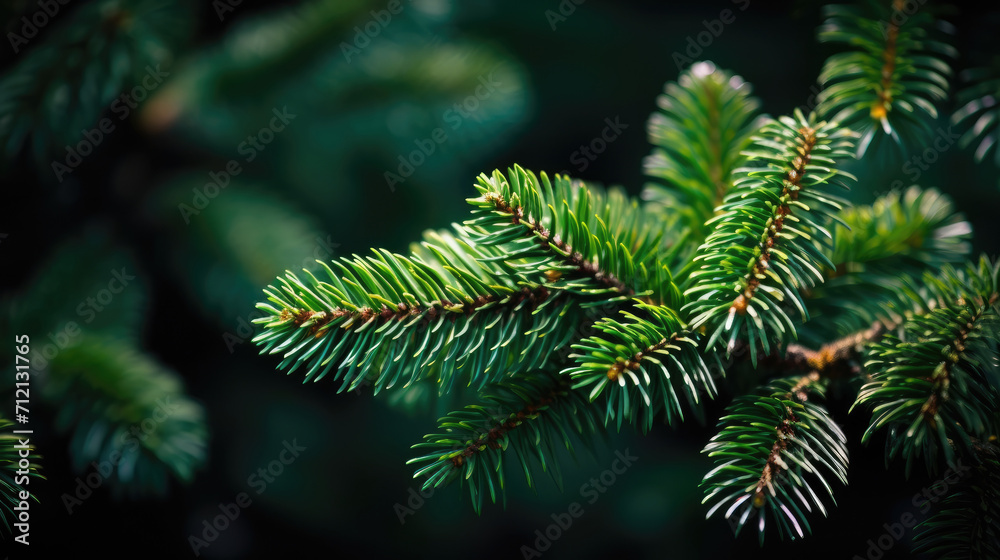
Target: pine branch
{"x": 385, "y": 319}
{"x": 834, "y": 359}
{"x": 499, "y": 297}
{"x": 934, "y": 387}
{"x": 891, "y": 76}
{"x": 705, "y": 121}
{"x": 128, "y": 411}
{"x": 528, "y": 414}
{"x": 907, "y": 228}
{"x": 641, "y": 364}
{"x": 571, "y": 236}
{"x": 766, "y": 245}
{"x": 771, "y": 450}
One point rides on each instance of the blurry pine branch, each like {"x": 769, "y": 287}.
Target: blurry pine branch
{"x": 893, "y": 74}
{"x": 87, "y": 67}
{"x": 125, "y": 413}
{"x": 979, "y": 112}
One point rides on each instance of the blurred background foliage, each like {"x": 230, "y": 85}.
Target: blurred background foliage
{"x": 184, "y": 190}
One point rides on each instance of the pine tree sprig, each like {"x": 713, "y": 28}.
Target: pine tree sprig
{"x": 934, "y": 386}
{"x": 124, "y": 409}
{"x": 522, "y": 420}
{"x": 704, "y": 123}
{"x": 641, "y": 363}
{"x": 385, "y": 318}
{"x": 890, "y": 77}
{"x": 913, "y": 225}
{"x": 571, "y": 236}
{"x": 769, "y": 234}
{"x": 772, "y": 451}
{"x": 875, "y": 248}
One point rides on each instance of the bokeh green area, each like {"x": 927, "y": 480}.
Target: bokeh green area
{"x": 265, "y": 146}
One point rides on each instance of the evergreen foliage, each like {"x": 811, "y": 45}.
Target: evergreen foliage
{"x": 119, "y": 406}
{"x": 558, "y": 311}
{"x": 773, "y": 449}
{"x": 704, "y": 124}
{"x": 109, "y": 45}
{"x": 125, "y": 410}
{"x": 642, "y": 363}
{"x": 570, "y": 308}
{"x": 876, "y": 249}
{"x": 527, "y": 415}
{"x": 893, "y": 75}
{"x": 769, "y": 234}
{"x": 979, "y": 113}
{"x": 128, "y": 63}
{"x": 931, "y": 386}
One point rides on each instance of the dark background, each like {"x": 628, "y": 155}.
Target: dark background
{"x": 607, "y": 60}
